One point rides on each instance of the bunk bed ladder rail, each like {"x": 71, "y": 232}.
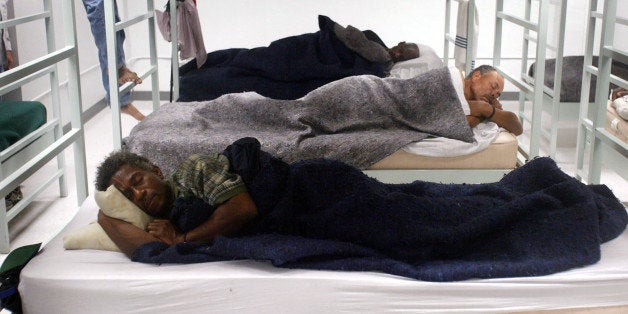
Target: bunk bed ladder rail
{"x": 553, "y": 93}
{"x": 111, "y": 27}
{"x": 527, "y": 88}
{"x": 591, "y": 131}
{"x": 37, "y": 158}
{"x": 450, "y": 38}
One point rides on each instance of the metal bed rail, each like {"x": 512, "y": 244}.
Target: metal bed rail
{"x": 29, "y": 155}
{"x": 115, "y": 90}
{"x": 591, "y": 131}
{"x": 531, "y": 89}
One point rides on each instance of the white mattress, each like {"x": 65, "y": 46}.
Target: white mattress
{"x": 87, "y": 281}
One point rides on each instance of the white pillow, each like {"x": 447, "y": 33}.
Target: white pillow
{"x": 427, "y": 60}
{"x": 621, "y": 106}
{"x": 113, "y": 204}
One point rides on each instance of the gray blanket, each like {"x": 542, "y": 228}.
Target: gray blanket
{"x": 358, "y": 120}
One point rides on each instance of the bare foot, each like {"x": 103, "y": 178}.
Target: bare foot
{"x": 133, "y": 112}
{"x": 125, "y": 75}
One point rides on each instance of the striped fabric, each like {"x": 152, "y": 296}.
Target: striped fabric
{"x": 207, "y": 177}
{"x": 462, "y": 33}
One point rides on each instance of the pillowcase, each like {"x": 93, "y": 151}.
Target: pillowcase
{"x": 428, "y": 60}
{"x": 113, "y": 204}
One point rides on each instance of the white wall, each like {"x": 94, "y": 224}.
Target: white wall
{"x": 31, "y": 41}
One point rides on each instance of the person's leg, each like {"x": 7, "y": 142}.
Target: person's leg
{"x": 96, "y": 16}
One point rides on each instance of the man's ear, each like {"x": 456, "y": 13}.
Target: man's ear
{"x": 476, "y": 75}
{"x": 157, "y": 171}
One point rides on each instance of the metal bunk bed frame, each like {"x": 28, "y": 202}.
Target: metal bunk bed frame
{"x": 591, "y": 131}
{"x": 558, "y": 111}
{"x": 22, "y": 159}
{"x": 527, "y": 90}
{"x": 111, "y": 27}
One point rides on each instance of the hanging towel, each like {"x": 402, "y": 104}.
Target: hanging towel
{"x": 460, "y": 50}
{"x": 191, "y": 42}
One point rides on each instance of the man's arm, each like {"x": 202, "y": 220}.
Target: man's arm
{"x": 227, "y": 219}
{"x": 505, "y": 119}
{"x": 125, "y": 235}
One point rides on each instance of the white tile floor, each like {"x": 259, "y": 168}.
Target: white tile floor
{"x": 44, "y": 218}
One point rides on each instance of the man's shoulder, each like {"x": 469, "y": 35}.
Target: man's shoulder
{"x": 206, "y": 157}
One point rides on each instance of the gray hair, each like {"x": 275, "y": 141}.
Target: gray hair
{"x": 483, "y": 69}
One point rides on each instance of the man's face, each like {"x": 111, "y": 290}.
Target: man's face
{"x": 404, "y": 51}
{"x": 145, "y": 189}
{"x": 487, "y": 87}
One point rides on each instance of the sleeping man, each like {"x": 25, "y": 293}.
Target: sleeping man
{"x": 290, "y": 67}
{"x": 388, "y": 112}
{"x": 325, "y": 214}
{"x": 481, "y": 89}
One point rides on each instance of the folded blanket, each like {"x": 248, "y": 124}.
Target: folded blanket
{"x": 571, "y": 83}
{"x": 358, "y": 120}
{"x": 18, "y": 118}
{"x": 323, "y": 214}
{"x": 289, "y": 67}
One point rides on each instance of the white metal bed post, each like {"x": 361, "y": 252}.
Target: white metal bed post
{"x": 111, "y": 28}
{"x": 584, "y": 124}
{"x": 525, "y": 47}
{"x": 537, "y": 106}
{"x": 554, "y": 93}
{"x": 448, "y": 38}
{"x": 451, "y": 38}
{"x": 592, "y": 128}
{"x": 36, "y": 158}
{"x": 469, "y": 59}
{"x": 55, "y": 97}
{"x": 74, "y": 97}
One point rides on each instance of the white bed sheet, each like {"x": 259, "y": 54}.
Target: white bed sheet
{"x": 89, "y": 281}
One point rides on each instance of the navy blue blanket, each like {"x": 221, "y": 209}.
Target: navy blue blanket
{"x": 288, "y": 68}
{"x": 323, "y": 214}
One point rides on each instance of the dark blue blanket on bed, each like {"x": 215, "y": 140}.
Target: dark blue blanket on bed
{"x": 288, "y": 68}
{"x": 323, "y": 214}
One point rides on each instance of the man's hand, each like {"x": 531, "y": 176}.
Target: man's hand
{"x": 125, "y": 235}
{"x": 482, "y": 109}
{"x": 495, "y": 103}
{"x": 165, "y": 231}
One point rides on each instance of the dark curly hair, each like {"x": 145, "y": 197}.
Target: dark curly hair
{"x": 113, "y": 162}
{"x": 483, "y": 69}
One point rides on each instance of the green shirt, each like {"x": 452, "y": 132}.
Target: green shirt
{"x": 206, "y": 177}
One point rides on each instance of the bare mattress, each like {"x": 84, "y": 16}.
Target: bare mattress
{"x": 91, "y": 281}
{"x": 500, "y": 154}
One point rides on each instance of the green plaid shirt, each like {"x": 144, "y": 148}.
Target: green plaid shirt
{"x": 206, "y": 177}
